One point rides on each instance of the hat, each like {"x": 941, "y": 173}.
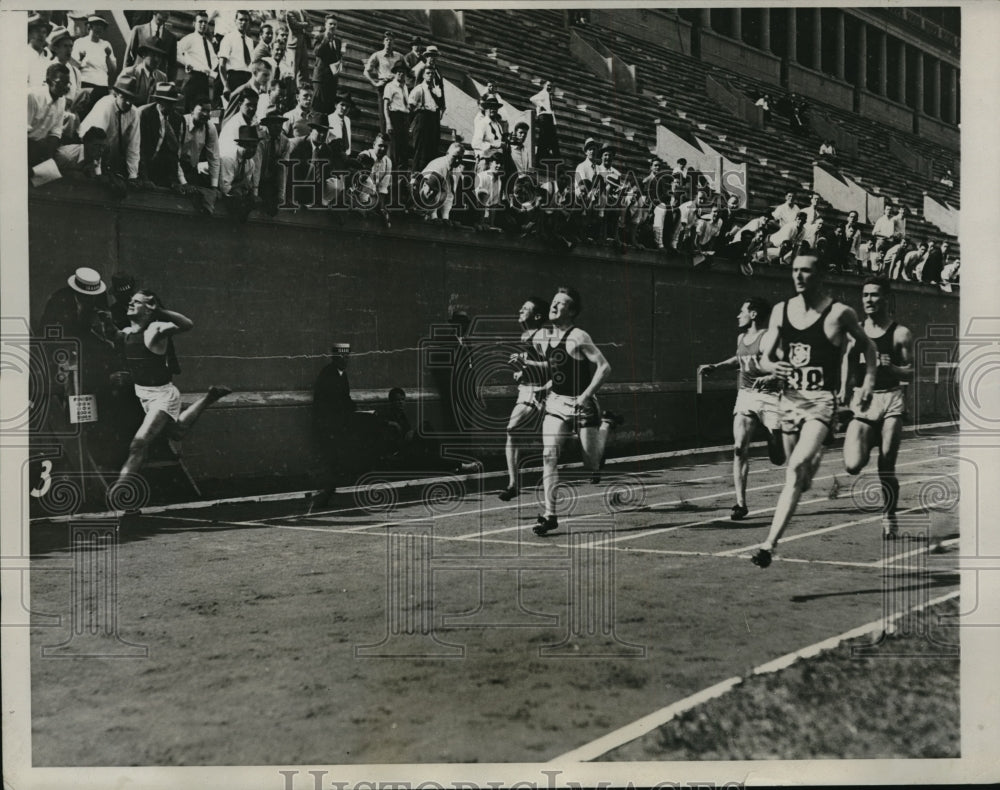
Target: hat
{"x": 122, "y": 282}
{"x": 318, "y": 120}
{"x": 165, "y": 91}
{"x": 489, "y": 102}
{"x": 400, "y": 66}
{"x": 608, "y": 148}
{"x": 35, "y": 20}
{"x": 590, "y": 143}
{"x": 94, "y": 19}
{"x": 150, "y": 48}
{"x": 248, "y": 134}
{"x": 87, "y": 281}
{"x": 58, "y": 34}
{"x": 388, "y": 34}
{"x": 274, "y": 114}
{"x": 346, "y": 99}
{"x": 432, "y": 50}
{"x": 126, "y": 86}
{"x": 341, "y": 348}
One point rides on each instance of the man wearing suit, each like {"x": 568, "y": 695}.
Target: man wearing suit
{"x": 328, "y": 62}
{"x": 313, "y": 164}
{"x": 197, "y": 56}
{"x": 154, "y": 30}
{"x": 334, "y": 421}
{"x": 146, "y": 71}
{"x": 161, "y": 134}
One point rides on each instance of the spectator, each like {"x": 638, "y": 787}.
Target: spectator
{"x": 395, "y": 113}
{"x": 912, "y": 262}
{"x": 546, "y": 139}
{"x": 238, "y": 177}
{"x": 636, "y": 211}
{"x": 274, "y": 147}
{"x": 518, "y": 150}
{"x": 426, "y": 102}
{"x": 46, "y": 113}
{"x": 764, "y": 102}
{"x": 96, "y": 59}
{"x": 161, "y": 129}
{"x": 682, "y": 171}
{"x": 411, "y": 59}
{"x": 328, "y": 62}
{"x": 201, "y": 64}
{"x": 199, "y": 156}
{"x": 258, "y": 85}
{"x": 245, "y": 116}
{"x": 687, "y": 218}
{"x": 489, "y": 193}
{"x": 585, "y": 186}
{"x": 814, "y": 229}
{"x": 787, "y": 211}
{"x": 377, "y": 179}
{"x": 294, "y": 33}
{"x": 799, "y": 117}
{"x": 313, "y": 159}
{"x": 487, "y": 135}
{"x": 297, "y": 119}
{"x": 827, "y": 151}
{"x": 38, "y": 58}
{"x": 748, "y": 242}
{"x": 812, "y": 210}
{"x": 235, "y": 55}
{"x": 609, "y": 188}
{"x": 933, "y": 264}
{"x": 950, "y": 275}
{"x": 265, "y": 43}
{"x": 437, "y": 187}
{"x": 945, "y": 249}
{"x": 557, "y": 217}
{"x": 852, "y": 242}
{"x": 895, "y": 258}
{"x": 706, "y": 236}
{"x": 884, "y": 231}
{"x": 379, "y": 71}
{"x": 118, "y": 117}
{"x": 948, "y": 179}
{"x": 83, "y": 159}
{"x": 146, "y": 71}
{"x": 340, "y": 130}
{"x": 429, "y": 60}
{"x": 154, "y": 32}
{"x": 787, "y": 241}
{"x": 60, "y": 44}
{"x": 900, "y": 223}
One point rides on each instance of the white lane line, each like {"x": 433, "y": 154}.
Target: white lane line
{"x": 922, "y": 550}
{"x": 640, "y": 727}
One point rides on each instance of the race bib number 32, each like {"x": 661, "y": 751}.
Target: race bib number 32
{"x": 807, "y": 378}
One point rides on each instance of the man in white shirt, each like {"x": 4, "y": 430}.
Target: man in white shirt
{"x": 46, "y": 111}
{"x": 520, "y": 151}
{"x": 340, "y": 129}
{"x": 238, "y": 173}
{"x": 96, "y": 58}
{"x": 584, "y": 183}
{"x": 706, "y": 235}
{"x": 117, "y": 116}
{"x": 487, "y": 136}
{"x": 297, "y": 119}
{"x": 379, "y": 71}
{"x": 396, "y": 113}
{"x": 196, "y": 54}
{"x": 489, "y": 192}
{"x": 812, "y": 210}
{"x": 83, "y": 159}
{"x": 438, "y": 180}
{"x": 884, "y": 230}
{"x": 787, "y": 211}
{"x": 609, "y": 196}
{"x": 546, "y": 141}
{"x": 38, "y": 57}
{"x": 258, "y": 85}
{"x": 60, "y": 44}
{"x": 236, "y": 54}
{"x": 199, "y": 154}
{"x": 377, "y": 168}
{"x": 785, "y": 242}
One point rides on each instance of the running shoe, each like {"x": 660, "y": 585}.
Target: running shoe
{"x": 507, "y": 494}
{"x": 761, "y": 558}
{"x": 890, "y": 526}
{"x": 545, "y": 525}
{"x": 739, "y": 512}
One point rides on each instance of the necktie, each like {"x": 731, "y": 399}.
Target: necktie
{"x": 240, "y": 172}
{"x": 208, "y": 54}
{"x": 246, "y": 52}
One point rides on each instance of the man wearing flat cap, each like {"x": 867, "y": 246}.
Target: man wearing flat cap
{"x": 155, "y": 31}
{"x": 38, "y": 56}
{"x": 379, "y": 71}
{"x": 161, "y": 132}
{"x": 146, "y": 71}
{"x": 118, "y": 117}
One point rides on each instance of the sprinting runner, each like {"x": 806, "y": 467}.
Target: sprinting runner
{"x": 531, "y": 377}
{"x": 882, "y": 420}
{"x": 577, "y": 369}
{"x": 144, "y": 347}
{"x": 756, "y": 399}
{"x": 810, "y": 329}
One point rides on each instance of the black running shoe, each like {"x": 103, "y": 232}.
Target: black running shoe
{"x": 507, "y": 494}
{"x": 545, "y": 525}
{"x": 761, "y": 558}
{"x": 739, "y": 512}
{"x": 611, "y": 417}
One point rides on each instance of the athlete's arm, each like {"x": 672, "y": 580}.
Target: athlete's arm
{"x": 732, "y": 362}
{"x": 848, "y": 320}
{"x": 847, "y": 381}
{"x": 586, "y": 347}
{"x": 769, "y": 362}
{"x": 181, "y": 323}
{"x": 902, "y": 339}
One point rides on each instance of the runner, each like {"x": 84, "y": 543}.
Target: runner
{"x": 882, "y": 421}
{"x": 531, "y": 379}
{"x": 577, "y": 369}
{"x": 145, "y": 347}
{"x": 810, "y": 329}
{"x": 756, "y": 400}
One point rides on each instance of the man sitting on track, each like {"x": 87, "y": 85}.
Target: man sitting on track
{"x": 810, "y": 329}
{"x": 531, "y": 379}
{"x": 577, "y": 369}
{"x": 144, "y": 346}
{"x": 756, "y": 400}
{"x": 882, "y": 420}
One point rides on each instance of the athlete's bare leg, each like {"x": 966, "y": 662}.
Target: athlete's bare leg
{"x": 190, "y": 415}
{"x": 592, "y": 442}
{"x": 522, "y": 414}
{"x": 803, "y": 459}
{"x": 554, "y": 433}
{"x": 857, "y": 446}
{"x": 743, "y": 426}
{"x": 892, "y": 432}
{"x": 153, "y": 425}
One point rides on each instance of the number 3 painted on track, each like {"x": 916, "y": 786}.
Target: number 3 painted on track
{"x": 45, "y": 483}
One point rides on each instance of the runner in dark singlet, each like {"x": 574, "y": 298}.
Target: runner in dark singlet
{"x": 756, "y": 399}
{"x": 811, "y": 329}
{"x": 882, "y": 420}
{"x": 531, "y": 375}
{"x": 576, "y": 369}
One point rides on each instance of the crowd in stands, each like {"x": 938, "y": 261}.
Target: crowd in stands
{"x": 247, "y": 111}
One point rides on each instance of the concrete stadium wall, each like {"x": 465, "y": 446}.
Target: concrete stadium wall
{"x": 269, "y": 297}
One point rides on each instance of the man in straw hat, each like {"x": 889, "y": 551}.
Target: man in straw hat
{"x": 161, "y": 129}
{"x": 60, "y": 44}
{"x": 117, "y": 116}
{"x": 38, "y": 56}
{"x": 96, "y": 59}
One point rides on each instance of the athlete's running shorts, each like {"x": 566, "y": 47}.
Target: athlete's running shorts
{"x": 531, "y": 395}
{"x": 762, "y": 405}
{"x": 564, "y": 407}
{"x": 798, "y": 408}
{"x": 885, "y": 404}
{"x": 165, "y": 398}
